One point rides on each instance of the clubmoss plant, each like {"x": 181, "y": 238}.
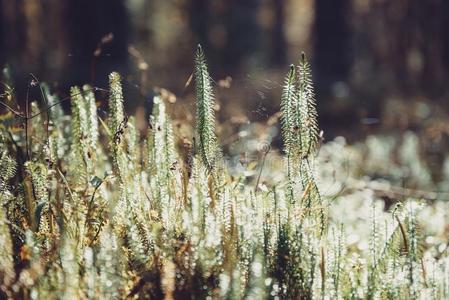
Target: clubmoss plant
{"x": 207, "y": 139}
{"x": 121, "y": 217}
{"x": 6, "y": 255}
{"x": 117, "y": 125}
{"x": 92, "y": 118}
{"x": 306, "y": 114}
{"x": 290, "y": 128}
{"x": 300, "y": 135}
{"x": 80, "y": 136}
{"x": 115, "y": 103}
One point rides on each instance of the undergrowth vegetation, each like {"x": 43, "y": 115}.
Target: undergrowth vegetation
{"x": 93, "y": 209}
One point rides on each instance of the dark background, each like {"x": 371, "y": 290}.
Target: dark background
{"x": 373, "y": 60}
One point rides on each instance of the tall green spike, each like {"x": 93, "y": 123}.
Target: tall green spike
{"x": 207, "y": 140}
{"x": 115, "y": 103}
{"x": 306, "y": 113}
{"x": 288, "y": 102}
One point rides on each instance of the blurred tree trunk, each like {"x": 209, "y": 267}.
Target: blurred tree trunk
{"x": 332, "y": 62}
{"x": 87, "y": 23}
{"x": 445, "y": 31}
{"x": 32, "y": 40}
{"x": 414, "y": 45}
{"x": 432, "y": 37}
{"x": 227, "y": 29}
{"x": 11, "y": 31}
{"x": 243, "y": 33}
{"x": 332, "y": 52}
{"x": 199, "y": 20}
{"x": 279, "y": 45}
{"x": 21, "y": 41}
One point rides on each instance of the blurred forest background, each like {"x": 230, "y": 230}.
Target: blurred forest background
{"x": 377, "y": 64}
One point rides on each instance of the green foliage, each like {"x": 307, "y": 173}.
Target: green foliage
{"x": 92, "y": 119}
{"x": 7, "y": 169}
{"x": 290, "y": 127}
{"x": 115, "y": 103}
{"x": 300, "y": 135}
{"x": 7, "y": 273}
{"x": 207, "y": 139}
{"x": 306, "y": 114}
{"x": 130, "y": 218}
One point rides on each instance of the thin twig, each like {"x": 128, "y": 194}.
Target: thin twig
{"x": 44, "y": 97}
{"x": 22, "y": 116}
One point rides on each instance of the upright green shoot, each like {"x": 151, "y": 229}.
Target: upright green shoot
{"x": 207, "y": 140}
{"x": 289, "y": 128}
